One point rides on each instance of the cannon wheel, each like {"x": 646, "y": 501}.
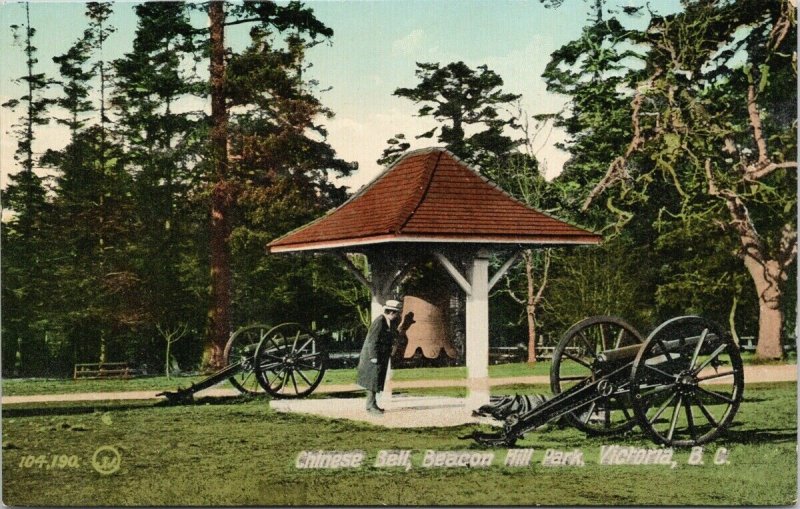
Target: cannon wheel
{"x": 241, "y": 347}
{"x": 290, "y": 361}
{"x": 686, "y": 393}
{"x": 573, "y": 361}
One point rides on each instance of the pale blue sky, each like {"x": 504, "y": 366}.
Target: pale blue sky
{"x": 373, "y": 52}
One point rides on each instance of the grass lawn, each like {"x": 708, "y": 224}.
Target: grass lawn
{"x": 19, "y": 387}
{"x": 235, "y": 451}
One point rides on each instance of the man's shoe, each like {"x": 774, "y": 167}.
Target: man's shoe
{"x": 375, "y": 411}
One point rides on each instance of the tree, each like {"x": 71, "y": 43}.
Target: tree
{"x": 75, "y": 83}
{"x": 155, "y": 85}
{"x": 592, "y": 71}
{"x": 24, "y": 256}
{"x": 225, "y": 94}
{"x": 467, "y": 105}
{"x": 519, "y": 175}
{"x": 96, "y": 35}
{"x": 93, "y": 215}
{"x": 397, "y": 146}
{"x": 709, "y": 111}
{"x": 281, "y": 171}
{"x": 171, "y": 336}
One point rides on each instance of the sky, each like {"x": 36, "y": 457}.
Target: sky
{"x": 374, "y": 49}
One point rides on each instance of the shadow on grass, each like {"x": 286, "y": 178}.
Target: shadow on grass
{"x": 342, "y": 394}
{"x": 215, "y": 400}
{"x": 67, "y": 410}
{"x": 84, "y": 407}
{"x": 748, "y": 437}
{"x": 747, "y": 399}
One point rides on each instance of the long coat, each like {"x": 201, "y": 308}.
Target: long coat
{"x": 377, "y": 345}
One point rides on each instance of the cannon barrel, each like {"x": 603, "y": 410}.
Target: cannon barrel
{"x": 628, "y": 353}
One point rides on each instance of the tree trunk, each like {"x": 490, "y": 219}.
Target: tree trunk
{"x": 530, "y": 308}
{"x": 767, "y": 277}
{"x": 219, "y": 314}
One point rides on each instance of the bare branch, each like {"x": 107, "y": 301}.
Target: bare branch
{"x": 511, "y": 293}
{"x": 755, "y": 123}
{"x": 755, "y": 172}
{"x": 764, "y": 165}
{"x": 543, "y": 283}
{"x": 741, "y": 222}
{"x": 617, "y": 170}
{"x": 782, "y": 26}
{"x": 712, "y": 184}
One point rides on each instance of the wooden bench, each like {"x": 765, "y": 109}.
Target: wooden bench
{"x": 102, "y": 370}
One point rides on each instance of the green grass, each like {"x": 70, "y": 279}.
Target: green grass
{"x": 236, "y": 451}
{"x": 20, "y": 387}
{"x": 23, "y": 386}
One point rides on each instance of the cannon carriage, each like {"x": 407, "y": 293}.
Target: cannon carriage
{"x": 284, "y": 361}
{"x": 682, "y": 385}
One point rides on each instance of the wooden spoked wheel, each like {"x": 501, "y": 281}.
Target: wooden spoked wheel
{"x": 241, "y": 348}
{"x": 687, "y": 382}
{"x": 290, "y": 361}
{"x": 574, "y": 362}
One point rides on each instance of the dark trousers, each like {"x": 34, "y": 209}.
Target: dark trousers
{"x": 371, "y": 403}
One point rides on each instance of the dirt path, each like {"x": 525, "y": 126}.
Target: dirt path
{"x": 752, "y": 374}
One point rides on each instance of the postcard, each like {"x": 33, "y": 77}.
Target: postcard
{"x": 404, "y": 252}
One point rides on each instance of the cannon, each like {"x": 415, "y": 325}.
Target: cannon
{"x": 682, "y": 385}
{"x": 285, "y": 361}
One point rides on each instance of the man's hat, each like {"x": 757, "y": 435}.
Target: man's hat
{"x": 392, "y": 305}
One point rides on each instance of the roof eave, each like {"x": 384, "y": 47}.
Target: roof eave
{"x": 555, "y": 240}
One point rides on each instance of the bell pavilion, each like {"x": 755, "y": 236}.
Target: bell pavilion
{"x": 431, "y": 204}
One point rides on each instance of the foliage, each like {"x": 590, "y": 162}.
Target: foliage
{"x": 25, "y": 265}
{"x": 124, "y": 233}
{"x": 707, "y": 144}
{"x": 468, "y": 106}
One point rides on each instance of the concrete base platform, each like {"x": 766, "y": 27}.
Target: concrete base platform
{"x": 401, "y": 411}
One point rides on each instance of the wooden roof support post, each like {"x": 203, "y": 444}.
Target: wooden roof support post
{"x": 454, "y": 272}
{"x": 476, "y": 285}
{"x": 477, "y": 330}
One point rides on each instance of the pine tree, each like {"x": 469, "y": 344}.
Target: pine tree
{"x": 467, "y": 104}
{"x": 24, "y": 253}
{"x": 98, "y": 298}
{"x": 155, "y": 83}
{"x": 265, "y": 18}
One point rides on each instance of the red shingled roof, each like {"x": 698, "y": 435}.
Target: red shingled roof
{"x": 431, "y": 196}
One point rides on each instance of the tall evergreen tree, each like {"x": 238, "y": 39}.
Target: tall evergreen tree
{"x": 154, "y": 89}
{"x": 265, "y": 19}
{"x": 24, "y": 256}
{"x": 75, "y": 83}
{"x": 93, "y": 215}
{"x": 281, "y": 166}
{"x": 467, "y": 104}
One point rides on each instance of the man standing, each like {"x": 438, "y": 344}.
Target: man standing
{"x": 374, "y": 359}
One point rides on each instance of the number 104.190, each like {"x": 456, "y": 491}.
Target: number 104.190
{"x": 49, "y": 462}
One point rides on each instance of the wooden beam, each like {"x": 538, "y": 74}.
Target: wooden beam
{"x": 355, "y": 271}
{"x": 390, "y": 281}
{"x": 503, "y": 269}
{"x": 454, "y": 273}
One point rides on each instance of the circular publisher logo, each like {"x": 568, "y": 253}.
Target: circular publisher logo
{"x": 106, "y": 460}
